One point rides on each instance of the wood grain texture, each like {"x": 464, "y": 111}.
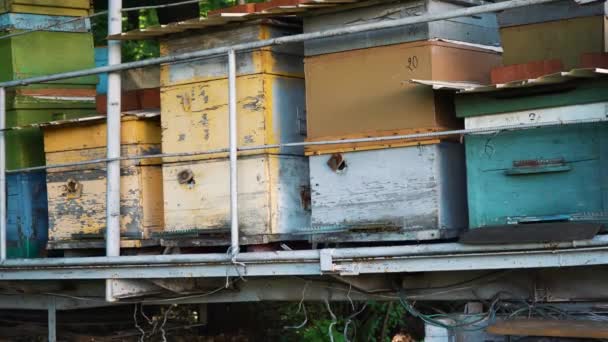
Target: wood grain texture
{"x": 495, "y": 197}
{"x": 366, "y": 90}
{"x": 552, "y": 328}
{"x": 481, "y": 29}
{"x": 285, "y": 60}
{"x": 270, "y": 195}
{"x": 271, "y": 109}
{"x": 399, "y": 190}
{"x": 26, "y": 21}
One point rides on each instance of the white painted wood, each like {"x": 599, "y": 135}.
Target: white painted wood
{"x": 269, "y": 189}
{"x": 404, "y": 190}
{"x": 587, "y": 111}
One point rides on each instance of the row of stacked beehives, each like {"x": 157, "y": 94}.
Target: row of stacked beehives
{"x": 346, "y": 87}
{"x": 62, "y": 44}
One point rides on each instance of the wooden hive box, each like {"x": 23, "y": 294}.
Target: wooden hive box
{"x": 77, "y": 195}
{"x": 274, "y": 197}
{"x": 285, "y": 60}
{"x": 395, "y": 194}
{"x": 562, "y": 30}
{"x": 270, "y": 93}
{"x": 510, "y": 174}
{"x": 479, "y": 29}
{"x": 73, "y": 8}
{"x": 27, "y": 215}
{"x": 366, "y": 92}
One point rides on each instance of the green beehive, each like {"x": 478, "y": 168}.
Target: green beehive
{"x": 75, "y": 8}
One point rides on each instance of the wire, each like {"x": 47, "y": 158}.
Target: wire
{"x": 142, "y": 331}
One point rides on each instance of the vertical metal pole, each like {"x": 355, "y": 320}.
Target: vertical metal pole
{"x": 52, "y": 320}
{"x": 113, "y": 138}
{"x": 2, "y": 175}
{"x": 234, "y": 217}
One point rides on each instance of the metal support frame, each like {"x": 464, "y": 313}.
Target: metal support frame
{"x": 113, "y": 138}
{"x": 2, "y": 174}
{"x": 52, "y": 320}
{"x": 232, "y": 113}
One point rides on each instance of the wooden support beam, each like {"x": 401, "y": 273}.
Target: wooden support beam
{"x": 550, "y": 328}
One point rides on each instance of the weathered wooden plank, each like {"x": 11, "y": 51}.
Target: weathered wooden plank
{"x": 340, "y": 100}
{"x": 563, "y": 39}
{"x": 75, "y": 8}
{"x": 498, "y": 197}
{"x": 25, "y": 21}
{"x": 552, "y": 328}
{"x": 559, "y": 10}
{"x": 598, "y": 110}
{"x": 406, "y": 193}
{"x": 76, "y": 194}
{"x": 272, "y": 197}
{"x": 280, "y": 60}
{"x": 27, "y": 215}
{"x": 523, "y": 99}
{"x": 481, "y": 29}
{"x": 271, "y": 109}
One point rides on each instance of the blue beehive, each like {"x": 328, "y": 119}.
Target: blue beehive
{"x": 27, "y": 214}
{"x": 556, "y": 173}
{"x": 101, "y": 59}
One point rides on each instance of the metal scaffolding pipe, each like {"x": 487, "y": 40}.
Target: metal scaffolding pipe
{"x": 113, "y": 138}
{"x": 2, "y": 175}
{"x": 384, "y": 252}
{"x": 465, "y": 12}
{"x": 232, "y": 123}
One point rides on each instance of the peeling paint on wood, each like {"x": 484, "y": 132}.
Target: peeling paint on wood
{"x": 283, "y": 60}
{"x": 72, "y": 8}
{"x": 270, "y": 195}
{"x": 480, "y": 29}
{"x": 406, "y": 193}
{"x": 76, "y": 195}
{"x": 195, "y": 116}
{"x": 26, "y": 21}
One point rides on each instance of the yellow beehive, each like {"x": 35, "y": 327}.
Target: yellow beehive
{"x": 77, "y": 194}
{"x": 270, "y": 109}
{"x": 75, "y": 8}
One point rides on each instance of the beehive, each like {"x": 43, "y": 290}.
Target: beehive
{"x": 405, "y": 193}
{"x": 77, "y": 194}
{"x": 26, "y": 21}
{"x": 511, "y": 173}
{"x": 271, "y": 109}
{"x": 274, "y": 196}
{"x": 566, "y": 40}
{"x": 285, "y": 60}
{"x": 27, "y": 216}
{"x": 73, "y": 8}
{"x": 478, "y": 29}
{"x": 366, "y": 92}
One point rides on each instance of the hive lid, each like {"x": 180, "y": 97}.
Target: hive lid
{"x": 127, "y": 115}
{"x": 559, "y": 77}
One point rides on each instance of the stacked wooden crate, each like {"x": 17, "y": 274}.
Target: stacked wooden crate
{"x": 273, "y": 183}
{"x": 76, "y": 194}
{"x": 548, "y": 174}
{"x": 356, "y": 86}
{"x": 559, "y": 34}
{"x": 56, "y": 47}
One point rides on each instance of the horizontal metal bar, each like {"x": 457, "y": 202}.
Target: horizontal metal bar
{"x": 316, "y": 143}
{"x": 300, "y": 255}
{"x": 465, "y": 12}
{"x": 422, "y": 263}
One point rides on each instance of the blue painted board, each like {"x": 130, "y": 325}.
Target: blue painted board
{"x": 101, "y": 59}
{"x": 554, "y": 173}
{"x": 27, "y": 215}
{"x": 27, "y": 21}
